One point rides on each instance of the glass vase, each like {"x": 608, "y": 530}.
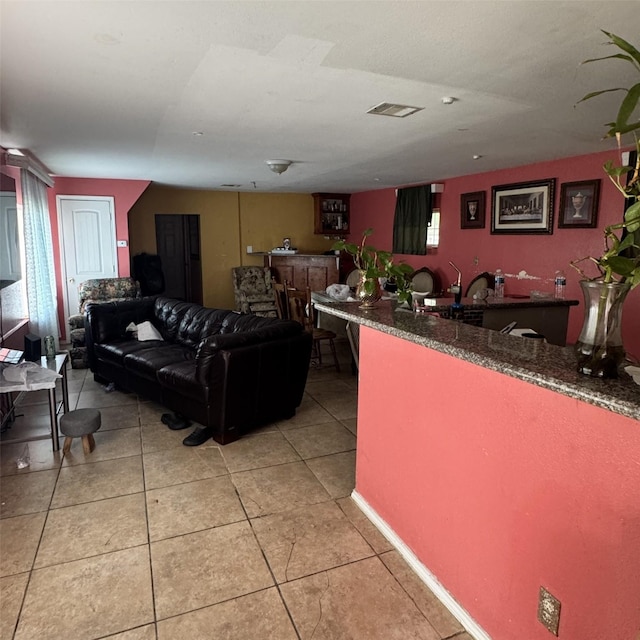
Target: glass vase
{"x": 599, "y": 347}
{"x": 368, "y": 291}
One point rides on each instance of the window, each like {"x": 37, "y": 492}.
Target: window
{"x": 433, "y": 229}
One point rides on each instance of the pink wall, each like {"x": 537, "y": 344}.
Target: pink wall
{"x": 538, "y": 255}
{"x": 514, "y": 488}
{"x": 125, "y": 194}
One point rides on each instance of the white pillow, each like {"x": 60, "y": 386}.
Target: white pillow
{"x": 146, "y": 331}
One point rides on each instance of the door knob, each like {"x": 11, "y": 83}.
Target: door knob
{"x": 72, "y": 280}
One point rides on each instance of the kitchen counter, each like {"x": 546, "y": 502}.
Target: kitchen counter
{"x": 545, "y": 365}
{"x": 547, "y": 316}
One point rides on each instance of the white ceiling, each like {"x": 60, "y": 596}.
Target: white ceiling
{"x": 117, "y": 89}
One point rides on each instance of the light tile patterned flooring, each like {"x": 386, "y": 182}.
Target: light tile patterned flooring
{"x": 146, "y": 539}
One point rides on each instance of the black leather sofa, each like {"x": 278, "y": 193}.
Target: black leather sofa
{"x": 225, "y": 370}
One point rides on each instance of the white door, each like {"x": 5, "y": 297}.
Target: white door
{"x": 87, "y": 242}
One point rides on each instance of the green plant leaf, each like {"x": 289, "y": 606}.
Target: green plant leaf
{"x": 613, "y": 170}
{"x": 625, "y": 129}
{"x": 632, "y": 217}
{"x": 624, "y": 45}
{"x": 615, "y": 55}
{"x": 622, "y": 266}
{"x": 626, "y": 243}
{"x": 628, "y": 106}
{"x": 593, "y": 94}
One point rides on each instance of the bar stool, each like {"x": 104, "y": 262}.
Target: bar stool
{"x": 80, "y": 423}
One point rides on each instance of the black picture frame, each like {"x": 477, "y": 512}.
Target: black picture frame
{"x": 579, "y": 204}
{"x": 523, "y": 208}
{"x": 472, "y": 210}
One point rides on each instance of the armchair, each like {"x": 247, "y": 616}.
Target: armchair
{"x": 100, "y": 290}
{"x": 253, "y": 291}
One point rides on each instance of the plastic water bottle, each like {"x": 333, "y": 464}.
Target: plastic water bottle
{"x": 499, "y": 284}
{"x": 560, "y": 285}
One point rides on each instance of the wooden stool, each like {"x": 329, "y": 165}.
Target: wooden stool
{"x": 80, "y": 423}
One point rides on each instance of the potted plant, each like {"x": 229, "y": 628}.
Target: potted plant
{"x": 617, "y": 270}
{"x": 373, "y": 264}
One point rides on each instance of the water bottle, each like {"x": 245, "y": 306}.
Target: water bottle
{"x": 560, "y": 285}
{"x": 499, "y": 284}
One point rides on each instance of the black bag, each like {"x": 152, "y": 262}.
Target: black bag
{"x": 147, "y": 271}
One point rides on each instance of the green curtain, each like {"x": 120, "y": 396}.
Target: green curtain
{"x": 413, "y": 215}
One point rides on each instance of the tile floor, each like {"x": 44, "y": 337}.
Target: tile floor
{"x": 145, "y": 539}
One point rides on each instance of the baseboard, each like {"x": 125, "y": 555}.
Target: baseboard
{"x": 472, "y": 627}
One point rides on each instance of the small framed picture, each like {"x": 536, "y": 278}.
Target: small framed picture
{"x": 525, "y": 207}
{"x": 579, "y": 202}
{"x": 472, "y": 210}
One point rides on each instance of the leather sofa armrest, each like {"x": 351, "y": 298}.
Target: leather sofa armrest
{"x": 108, "y": 321}
{"x": 210, "y": 347}
{"x": 226, "y": 341}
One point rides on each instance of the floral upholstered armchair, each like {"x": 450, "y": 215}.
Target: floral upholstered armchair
{"x": 253, "y": 291}
{"x": 100, "y": 290}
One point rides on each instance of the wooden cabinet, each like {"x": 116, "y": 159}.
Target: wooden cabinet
{"x": 314, "y": 271}
{"x": 331, "y": 214}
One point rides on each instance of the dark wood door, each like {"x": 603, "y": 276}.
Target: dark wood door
{"x": 178, "y": 245}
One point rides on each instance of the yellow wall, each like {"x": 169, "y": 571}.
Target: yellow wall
{"x": 229, "y": 222}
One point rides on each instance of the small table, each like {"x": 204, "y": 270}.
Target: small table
{"x": 59, "y": 365}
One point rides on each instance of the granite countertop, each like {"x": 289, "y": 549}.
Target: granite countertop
{"x": 545, "y": 365}
{"x": 444, "y": 303}
{"x": 293, "y": 252}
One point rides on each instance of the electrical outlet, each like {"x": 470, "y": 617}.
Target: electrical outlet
{"x": 549, "y": 610}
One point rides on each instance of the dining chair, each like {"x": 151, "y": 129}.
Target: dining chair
{"x": 352, "y": 279}
{"x": 424, "y": 281}
{"x": 280, "y": 295}
{"x": 301, "y": 309}
{"x": 483, "y": 280}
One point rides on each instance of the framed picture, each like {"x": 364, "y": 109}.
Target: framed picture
{"x": 579, "y": 203}
{"x": 472, "y": 210}
{"x": 526, "y": 207}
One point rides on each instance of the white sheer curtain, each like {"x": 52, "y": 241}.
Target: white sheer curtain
{"x": 40, "y": 272}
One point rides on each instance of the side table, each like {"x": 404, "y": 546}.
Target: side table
{"x": 59, "y": 365}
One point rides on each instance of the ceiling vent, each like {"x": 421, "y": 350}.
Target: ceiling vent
{"x": 393, "y": 110}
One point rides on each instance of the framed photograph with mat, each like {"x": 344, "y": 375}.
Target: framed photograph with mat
{"x": 525, "y": 207}
{"x": 472, "y": 210}
{"x": 579, "y": 202}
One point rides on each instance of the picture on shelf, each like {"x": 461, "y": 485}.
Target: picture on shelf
{"x": 526, "y": 207}
{"x": 472, "y": 210}
{"x": 579, "y": 203}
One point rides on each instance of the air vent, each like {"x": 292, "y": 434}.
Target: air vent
{"x": 393, "y": 110}
{"x": 231, "y": 186}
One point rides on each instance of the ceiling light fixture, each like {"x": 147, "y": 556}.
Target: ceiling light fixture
{"x": 278, "y": 166}
{"x": 448, "y": 100}
{"x": 393, "y": 110}
{"x": 477, "y": 157}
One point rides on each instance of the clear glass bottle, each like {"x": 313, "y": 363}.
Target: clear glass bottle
{"x": 560, "y": 285}
{"x": 49, "y": 347}
{"x": 499, "y": 284}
